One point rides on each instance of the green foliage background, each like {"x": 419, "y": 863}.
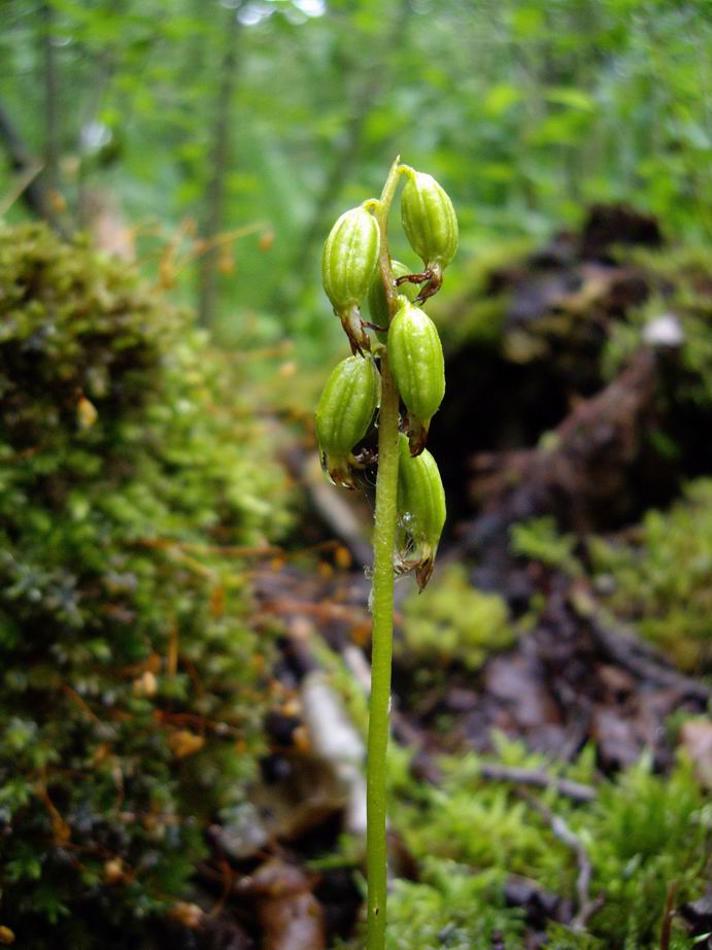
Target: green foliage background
{"x": 525, "y": 111}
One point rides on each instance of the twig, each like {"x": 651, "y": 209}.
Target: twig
{"x": 34, "y": 194}
{"x": 668, "y": 914}
{"x": 494, "y": 771}
{"x": 225, "y": 550}
{"x": 22, "y": 181}
{"x": 576, "y": 791}
{"x": 587, "y": 906}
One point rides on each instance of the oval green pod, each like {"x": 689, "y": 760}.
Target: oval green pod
{"x": 418, "y": 366}
{"x": 344, "y": 414}
{"x": 421, "y": 509}
{"x": 348, "y": 261}
{"x": 377, "y": 303}
{"x": 429, "y": 219}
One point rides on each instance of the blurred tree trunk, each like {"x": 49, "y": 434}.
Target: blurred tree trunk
{"x": 51, "y": 110}
{"x": 38, "y": 181}
{"x": 370, "y": 79}
{"x": 218, "y": 165}
{"x": 103, "y": 72}
{"x": 104, "y": 68}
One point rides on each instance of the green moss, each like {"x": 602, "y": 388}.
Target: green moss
{"x": 451, "y": 621}
{"x": 641, "y": 832}
{"x": 469, "y": 835}
{"x": 560, "y": 937}
{"x": 480, "y": 824}
{"x": 645, "y": 831}
{"x": 131, "y": 694}
{"x": 681, "y": 285}
{"x": 452, "y": 907}
{"x": 661, "y": 582}
{"x": 539, "y": 540}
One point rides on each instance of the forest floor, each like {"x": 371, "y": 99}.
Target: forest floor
{"x": 577, "y": 420}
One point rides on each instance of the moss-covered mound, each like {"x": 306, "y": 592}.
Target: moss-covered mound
{"x": 130, "y": 679}
{"x": 660, "y": 578}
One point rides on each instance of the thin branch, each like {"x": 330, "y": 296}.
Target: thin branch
{"x": 623, "y": 646}
{"x": 22, "y": 181}
{"x": 668, "y": 915}
{"x": 587, "y": 906}
{"x": 576, "y": 791}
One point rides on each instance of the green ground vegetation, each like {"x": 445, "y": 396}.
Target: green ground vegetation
{"x": 452, "y": 623}
{"x": 133, "y": 679}
{"x": 642, "y": 833}
{"x": 659, "y": 580}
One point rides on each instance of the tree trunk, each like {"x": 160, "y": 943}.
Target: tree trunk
{"x": 51, "y": 144}
{"x": 219, "y": 159}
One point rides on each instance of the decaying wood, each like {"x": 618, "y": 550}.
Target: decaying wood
{"x": 627, "y": 649}
{"x": 336, "y": 741}
{"x": 289, "y": 915}
{"x": 582, "y": 474}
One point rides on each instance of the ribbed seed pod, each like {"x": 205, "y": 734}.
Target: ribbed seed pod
{"x": 430, "y": 224}
{"x": 429, "y": 219}
{"x": 416, "y": 359}
{"x": 421, "y": 508}
{"x": 377, "y": 303}
{"x": 344, "y": 414}
{"x": 348, "y": 261}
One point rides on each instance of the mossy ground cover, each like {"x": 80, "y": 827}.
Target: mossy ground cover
{"x": 493, "y": 869}
{"x": 642, "y": 833}
{"x": 480, "y": 862}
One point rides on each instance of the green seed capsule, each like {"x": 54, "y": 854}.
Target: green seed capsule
{"x": 348, "y": 261}
{"x": 430, "y": 224}
{"x": 429, "y": 219}
{"x": 418, "y": 366}
{"x": 344, "y": 414}
{"x": 421, "y": 507}
{"x": 377, "y": 303}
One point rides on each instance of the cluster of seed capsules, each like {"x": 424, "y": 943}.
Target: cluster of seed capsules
{"x": 349, "y": 403}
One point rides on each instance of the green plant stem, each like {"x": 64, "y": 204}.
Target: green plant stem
{"x": 382, "y": 605}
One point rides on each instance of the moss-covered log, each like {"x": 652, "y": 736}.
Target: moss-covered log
{"x": 131, "y": 685}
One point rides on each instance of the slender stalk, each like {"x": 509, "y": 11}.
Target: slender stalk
{"x": 382, "y": 605}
